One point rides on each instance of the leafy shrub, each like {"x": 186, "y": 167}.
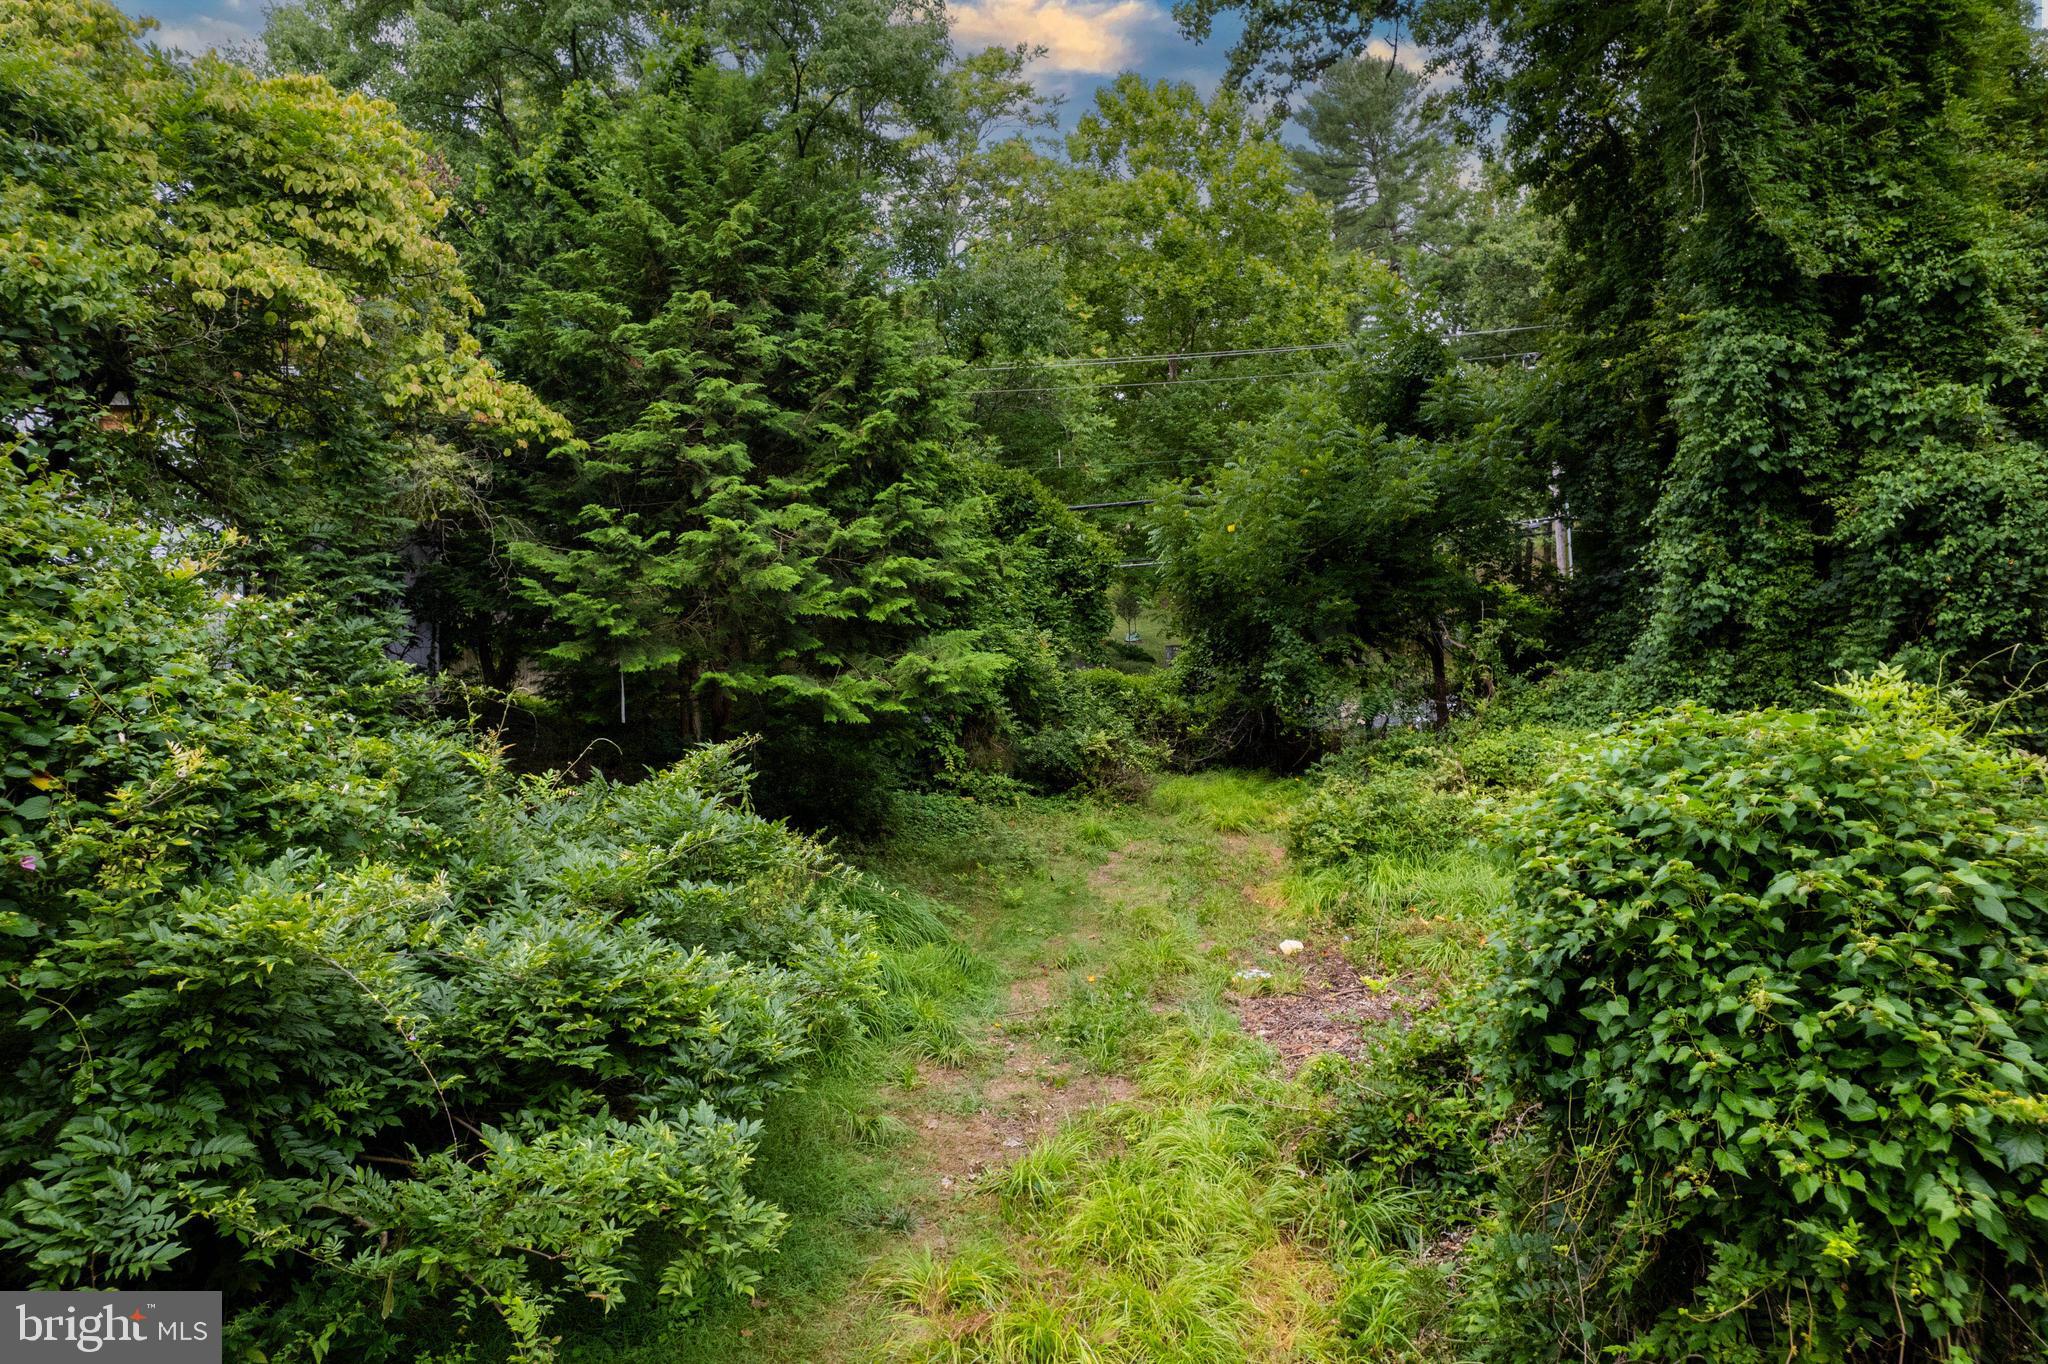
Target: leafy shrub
{"x": 1417, "y": 792}
{"x": 1792, "y": 962}
{"x": 1413, "y": 1114}
{"x": 1569, "y": 698}
{"x": 1110, "y": 736}
{"x": 1396, "y": 810}
{"x": 1055, "y": 566}
{"x": 1512, "y": 758}
{"x": 1151, "y": 701}
{"x": 318, "y": 1002}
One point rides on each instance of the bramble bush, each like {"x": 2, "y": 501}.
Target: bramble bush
{"x": 316, "y": 1003}
{"x": 1414, "y": 793}
{"x": 1110, "y": 734}
{"x": 1780, "y": 974}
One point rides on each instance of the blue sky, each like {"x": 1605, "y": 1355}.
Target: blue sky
{"x": 1088, "y": 41}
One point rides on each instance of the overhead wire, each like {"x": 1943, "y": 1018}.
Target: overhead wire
{"x": 1209, "y": 379}
{"x": 1087, "y": 361}
{"x": 1155, "y": 357}
{"x": 1121, "y": 384}
{"x": 1160, "y": 383}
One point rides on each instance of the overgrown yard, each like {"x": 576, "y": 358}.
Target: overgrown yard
{"x": 1087, "y": 1138}
{"x": 1413, "y": 1060}
{"x": 571, "y": 786}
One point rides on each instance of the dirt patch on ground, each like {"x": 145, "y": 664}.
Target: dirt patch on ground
{"x": 1030, "y": 994}
{"x": 1261, "y": 862}
{"x": 1001, "y": 1116}
{"x": 1329, "y": 1013}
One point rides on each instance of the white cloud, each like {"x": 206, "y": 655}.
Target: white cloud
{"x": 198, "y": 33}
{"x": 1094, "y": 36}
{"x": 1409, "y": 55}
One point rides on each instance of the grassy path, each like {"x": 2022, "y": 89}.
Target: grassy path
{"x": 1074, "y": 1151}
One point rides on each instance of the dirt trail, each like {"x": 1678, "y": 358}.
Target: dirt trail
{"x": 993, "y": 1111}
{"x": 1087, "y": 909}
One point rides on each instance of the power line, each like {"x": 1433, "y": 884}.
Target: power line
{"x": 1079, "y": 465}
{"x": 1082, "y": 362}
{"x": 1505, "y": 331}
{"x": 1226, "y": 378}
{"x": 1161, "y": 383}
{"x": 1086, "y": 361}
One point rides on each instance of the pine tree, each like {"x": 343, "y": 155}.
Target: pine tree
{"x": 765, "y": 527}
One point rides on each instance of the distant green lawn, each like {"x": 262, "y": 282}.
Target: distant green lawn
{"x": 1155, "y": 630}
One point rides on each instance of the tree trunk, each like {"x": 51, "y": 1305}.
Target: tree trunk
{"x": 497, "y": 667}
{"x": 693, "y": 709}
{"x": 1439, "y": 673}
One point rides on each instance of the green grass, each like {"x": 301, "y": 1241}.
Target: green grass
{"x": 1174, "y": 1225}
{"x": 1170, "y": 1216}
{"x": 1111, "y": 904}
{"x": 1233, "y": 802}
{"x": 1155, "y": 630}
{"x": 1171, "y": 1227}
{"x": 1429, "y": 916}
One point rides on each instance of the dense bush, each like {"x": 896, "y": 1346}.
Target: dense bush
{"x": 1047, "y": 726}
{"x": 1413, "y": 1115}
{"x": 1418, "y": 792}
{"x": 1355, "y": 555}
{"x": 1401, "y": 792}
{"x": 1111, "y": 735}
{"x": 1511, "y": 757}
{"x": 1788, "y": 966}
{"x": 1567, "y": 698}
{"x": 1055, "y": 567}
{"x": 1391, "y": 810}
{"x": 316, "y": 1002}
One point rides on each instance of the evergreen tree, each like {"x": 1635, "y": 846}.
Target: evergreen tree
{"x": 1389, "y": 175}
{"x": 1403, "y": 190}
{"x": 766, "y": 517}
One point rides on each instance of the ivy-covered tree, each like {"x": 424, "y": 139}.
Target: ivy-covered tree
{"x": 1796, "y": 399}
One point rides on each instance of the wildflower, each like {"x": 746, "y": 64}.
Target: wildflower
{"x": 29, "y": 863}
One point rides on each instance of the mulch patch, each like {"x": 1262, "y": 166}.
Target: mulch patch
{"x": 1329, "y": 1013}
